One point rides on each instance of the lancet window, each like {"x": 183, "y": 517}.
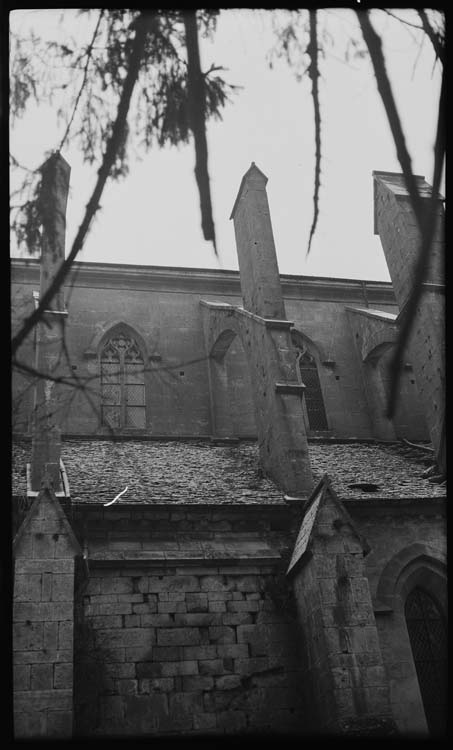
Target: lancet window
{"x": 314, "y": 401}
{"x": 428, "y": 639}
{"x": 122, "y": 383}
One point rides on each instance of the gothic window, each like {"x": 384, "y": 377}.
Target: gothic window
{"x": 314, "y": 402}
{"x": 122, "y": 383}
{"x": 428, "y": 639}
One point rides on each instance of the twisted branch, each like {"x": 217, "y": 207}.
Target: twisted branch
{"x": 85, "y": 75}
{"x": 435, "y": 40}
{"x": 197, "y": 119}
{"x": 313, "y": 72}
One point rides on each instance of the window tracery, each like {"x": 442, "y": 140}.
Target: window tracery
{"x": 314, "y": 402}
{"x": 122, "y": 383}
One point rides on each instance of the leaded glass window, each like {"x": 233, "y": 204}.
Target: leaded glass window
{"x": 428, "y": 638}
{"x": 122, "y": 383}
{"x": 314, "y": 402}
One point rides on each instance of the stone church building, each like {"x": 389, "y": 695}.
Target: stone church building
{"x": 219, "y": 531}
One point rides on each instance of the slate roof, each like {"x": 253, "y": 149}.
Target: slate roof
{"x": 161, "y": 471}
{"x": 196, "y": 471}
{"x": 395, "y": 468}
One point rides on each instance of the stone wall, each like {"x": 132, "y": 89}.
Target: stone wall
{"x": 42, "y": 655}
{"x": 409, "y": 420}
{"x": 168, "y": 315}
{"x": 187, "y": 649}
{"x": 239, "y": 389}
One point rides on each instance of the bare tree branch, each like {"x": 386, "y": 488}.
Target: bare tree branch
{"x": 313, "y": 72}
{"x": 425, "y": 218}
{"x": 427, "y": 225}
{"x": 196, "y": 104}
{"x": 15, "y": 163}
{"x": 435, "y": 39}
{"x": 141, "y": 27}
{"x": 419, "y": 52}
{"x": 62, "y": 379}
{"x": 85, "y": 74}
{"x": 401, "y": 20}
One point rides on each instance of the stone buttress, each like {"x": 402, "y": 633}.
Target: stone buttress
{"x": 398, "y": 229}
{"x": 265, "y": 334}
{"x": 347, "y": 685}
{"x": 45, "y": 550}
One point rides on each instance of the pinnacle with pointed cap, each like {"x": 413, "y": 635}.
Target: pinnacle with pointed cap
{"x": 259, "y": 274}
{"x": 48, "y": 411}
{"x": 253, "y": 174}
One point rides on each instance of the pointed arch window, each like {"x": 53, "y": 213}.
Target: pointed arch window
{"x": 428, "y": 639}
{"x": 314, "y": 402}
{"x": 122, "y": 383}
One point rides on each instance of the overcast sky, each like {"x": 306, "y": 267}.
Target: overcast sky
{"x": 153, "y": 217}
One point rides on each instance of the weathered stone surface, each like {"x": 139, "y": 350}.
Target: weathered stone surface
{"x": 59, "y": 724}
{"x": 40, "y": 656}
{"x": 42, "y": 677}
{"x": 227, "y": 682}
{"x": 43, "y": 611}
{"x": 231, "y": 721}
{"x": 204, "y": 722}
{"x": 144, "y": 712}
{"x": 199, "y": 652}
{"x": 21, "y": 676}
{"x": 178, "y": 637}
{"x": 30, "y": 724}
{"x": 126, "y": 637}
{"x": 182, "y": 706}
{"x": 62, "y": 676}
{"x": 27, "y": 587}
{"x": 65, "y": 634}
{"x": 211, "y": 666}
{"x": 198, "y": 682}
{"x": 232, "y": 650}
{"x": 196, "y": 602}
{"x": 27, "y": 636}
{"x": 43, "y": 700}
{"x": 223, "y": 634}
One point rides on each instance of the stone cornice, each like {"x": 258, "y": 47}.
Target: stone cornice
{"x": 389, "y": 318}
{"x": 185, "y": 560}
{"x": 385, "y": 506}
{"x": 206, "y": 281}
